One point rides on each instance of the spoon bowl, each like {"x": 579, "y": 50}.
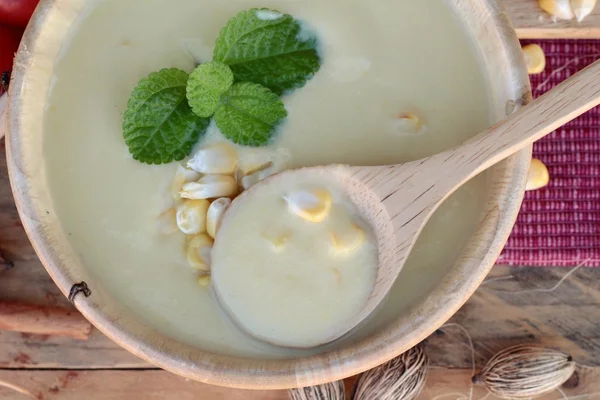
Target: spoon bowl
{"x": 398, "y": 200}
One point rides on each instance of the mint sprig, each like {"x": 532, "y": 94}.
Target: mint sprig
{"x": 159, "y": 125}
{"x": 206, "y": 85}
{"x": 249, "y": 114}
{"x": 258, "y": 55}
{"x": 269, "y": 48}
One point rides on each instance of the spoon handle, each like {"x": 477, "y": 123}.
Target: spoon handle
{"x": 565, "y": 102}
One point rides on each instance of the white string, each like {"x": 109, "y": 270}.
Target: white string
{"x": 538, "y": 290}
{"x": 460, "y": 396}
{"x": 473, "y": 368}
{"x": 17, "y": 389}
{"x": 486, "y": 396}
{"x": 564, "y": 396}
{"x": 562, "y": 68}
{"x": 581, "y": 396}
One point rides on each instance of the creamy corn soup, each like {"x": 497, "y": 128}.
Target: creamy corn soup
{"x": 399, "y": 80}
{"x": 304, "y": 264}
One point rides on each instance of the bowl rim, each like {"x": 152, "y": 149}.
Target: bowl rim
{"x": 245, "y": 373}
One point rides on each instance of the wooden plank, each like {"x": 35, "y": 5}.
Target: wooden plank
{"x": 35, "y": 351}
{"x": 449, "y": 384}
{"x": 531, "y": 22}
{"x": 507, "y": 312}
{"x": 117, "y": 385}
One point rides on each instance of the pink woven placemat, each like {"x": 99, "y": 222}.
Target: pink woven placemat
{"x": 560, "y": 224}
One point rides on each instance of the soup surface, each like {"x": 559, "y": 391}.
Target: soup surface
{"x": 382, "y": 59}
{"x": 305, "y": 261}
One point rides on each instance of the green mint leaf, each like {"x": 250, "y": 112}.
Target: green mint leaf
{"x": 269, "y": 48}
{"x": 159, "y": 125}
{"x": 206, "y": 85}
{"x": 249, "y": 114}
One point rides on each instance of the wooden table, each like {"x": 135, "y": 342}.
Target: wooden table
{"x": 498, "y": 315}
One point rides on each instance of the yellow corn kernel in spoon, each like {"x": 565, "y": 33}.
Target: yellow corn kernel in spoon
{"x": 277, "y": 237}
{"x": 348, "y": 240}
{"x": 312, "y": 204}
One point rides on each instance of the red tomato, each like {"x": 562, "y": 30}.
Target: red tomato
{"x": 9, "y": 43}
{"x": 17, "y": 12}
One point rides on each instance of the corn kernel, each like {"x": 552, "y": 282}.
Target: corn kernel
{"x": 278, "y": 237}
{"x": 215, "y": 215}
{"x": 312, "y": 205}
{"x": 348, "y": 240}
{"x": 409, "y": 122}
{"x": 260, "y": 174}
{"x": 534, "y": 58}
{"x": 198, "y": 252}
{"x": 560, "y": 9}
{"x": 538, "y": 175}
{"x": 210, "y": 187}
{"x": 182, "y": 176}
{"x": 204, "y": 281}
{"x": 191, "y": 216}
{"x": 582, "y": 8}
{"x": 219, "y": 158}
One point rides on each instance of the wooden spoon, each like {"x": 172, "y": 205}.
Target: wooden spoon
{"x": 398, "y": 200}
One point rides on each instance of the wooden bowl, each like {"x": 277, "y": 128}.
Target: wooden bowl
{"x": 446, "y": 289}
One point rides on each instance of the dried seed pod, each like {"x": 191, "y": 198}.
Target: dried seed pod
{"x": 402, "y": 378}
{"x": 538, "y": 175}
{"x": 560, "y": 9}
{"x": 582, "y": 8}
{"x": 328, "y": 391}
{"x": 524, "y": 371}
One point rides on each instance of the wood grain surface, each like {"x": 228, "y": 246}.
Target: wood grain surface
{"x": 454, "y": 384}
{"x": 531, "y": 22}
{"x": 43, "y": 320}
